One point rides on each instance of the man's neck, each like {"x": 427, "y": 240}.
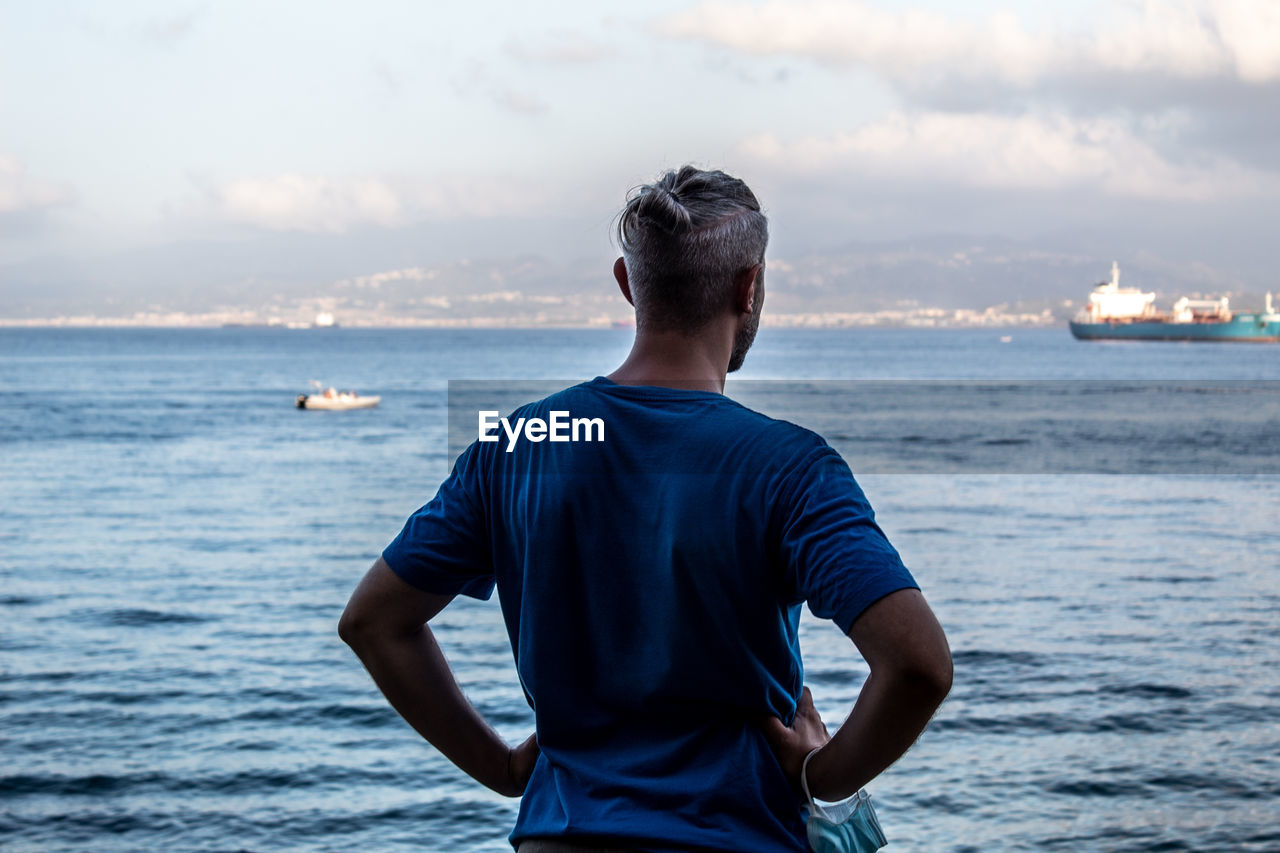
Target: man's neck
{"x": 674, "y": 360}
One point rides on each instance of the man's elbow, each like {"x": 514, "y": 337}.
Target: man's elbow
{"x": 930, "y": 677}
{"x": 941, "y": 675}
{"x": 920, "y": 673}
{"x": 354, "y": 627}
{"x": 363, "y": 625}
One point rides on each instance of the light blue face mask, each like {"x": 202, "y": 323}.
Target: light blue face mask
{"x": 849, "y": 826}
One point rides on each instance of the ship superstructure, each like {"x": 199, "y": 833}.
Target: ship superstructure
{"x": 1110, "y": 301}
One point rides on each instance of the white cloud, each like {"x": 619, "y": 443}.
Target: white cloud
{"x": 474, "y": 78}
{"x": 559, "y": 47}
{"x": 1252, "y": 30}
{"x": 832, "y": 33}
{"x": 1049, "y": 152}
{"x": 1053, "y": 97}
{"x": 294, "y": 202}
{"x": 1236, "y": 39}
{"x": 168, "y": 29}
{"x": 20, "y": 193}
{"x": 319, "y": 204}
{"x": 525, "y": 103}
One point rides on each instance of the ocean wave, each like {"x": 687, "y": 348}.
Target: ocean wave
{"x": 136, "y": 617}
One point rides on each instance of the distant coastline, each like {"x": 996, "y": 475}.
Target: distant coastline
{"x": 1002, "y": 317}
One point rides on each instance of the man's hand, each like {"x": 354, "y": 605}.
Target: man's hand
{"x": 792, "y": 743}
{"x": 520, "y": 761}
{"x": 910, "y": 664}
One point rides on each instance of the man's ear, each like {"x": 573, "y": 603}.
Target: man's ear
{"x": 620, "y": 273}
{"x": 744, "y": 290}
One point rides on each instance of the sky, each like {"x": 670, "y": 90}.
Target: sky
{"x": 233, "y": 142}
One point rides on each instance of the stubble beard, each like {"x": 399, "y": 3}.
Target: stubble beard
{"x": 747, "y": 334}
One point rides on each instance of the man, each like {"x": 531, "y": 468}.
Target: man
{"x": 651, "y": 583}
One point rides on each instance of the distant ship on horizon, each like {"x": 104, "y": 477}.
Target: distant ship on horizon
{"x": 1127, "y": 313}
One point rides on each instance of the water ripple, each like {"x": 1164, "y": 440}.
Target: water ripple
{"x": 133, "y": 617}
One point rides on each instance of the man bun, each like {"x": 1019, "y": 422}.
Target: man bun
{"x": 658, "y": 207}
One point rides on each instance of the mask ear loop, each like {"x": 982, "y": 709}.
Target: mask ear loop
{"x": 804, "y": 782}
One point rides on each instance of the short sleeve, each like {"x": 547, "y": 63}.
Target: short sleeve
{"x": 444, "y": 546}
{"x": 836, "y": 557}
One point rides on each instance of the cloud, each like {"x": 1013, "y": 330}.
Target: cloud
{"x": 167, "y": 30}
{"x": 475, "y": 79}
{"x": 21, "y": 193}
{"x": 1251, "y": 30}
{"x": 559, "y": 47}
{"x": 1198, "y": 81}
{"x": 1032, "y": 152}
{"x": 293, "y": 202}
{"x": 387, "y": 77}
{"x": 325, "y": 205}
{"x": 526, "y": 103}
{"x": 914, "y": 49}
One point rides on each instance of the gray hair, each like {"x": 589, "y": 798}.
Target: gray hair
{"x": 684, "y": 238}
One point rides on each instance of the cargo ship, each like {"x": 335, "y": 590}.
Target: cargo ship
{"x": 1128, "y": 314}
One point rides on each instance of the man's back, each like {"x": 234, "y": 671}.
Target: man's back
{"x": 651, "y": 584}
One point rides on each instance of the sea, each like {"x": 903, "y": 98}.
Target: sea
{"x": 1097, "y": 526}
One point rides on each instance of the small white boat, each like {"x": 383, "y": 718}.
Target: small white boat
{"x": 331, "y": 400}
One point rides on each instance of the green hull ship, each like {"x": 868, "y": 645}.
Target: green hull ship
{"x": 1128, "y": 314}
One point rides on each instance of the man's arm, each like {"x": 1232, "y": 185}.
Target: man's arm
{"x": 910, "y": 663}
{"x": 385, "y": 623}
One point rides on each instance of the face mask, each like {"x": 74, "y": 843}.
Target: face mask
{"x": 849, "y": 826}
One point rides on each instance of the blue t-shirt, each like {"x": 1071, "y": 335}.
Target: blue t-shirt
{"x": 651, "y": 585}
